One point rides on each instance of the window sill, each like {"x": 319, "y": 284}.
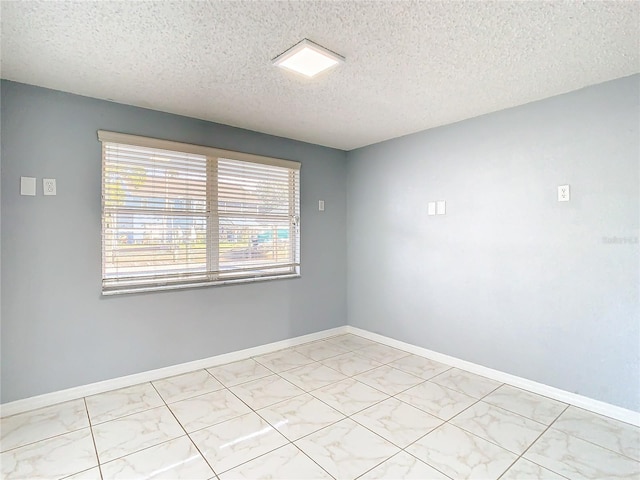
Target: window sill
{"x": 184, "y": 286}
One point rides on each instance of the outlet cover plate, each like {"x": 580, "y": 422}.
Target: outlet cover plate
{"x": 49, "y": 186}
{"x": 564, "y": 193}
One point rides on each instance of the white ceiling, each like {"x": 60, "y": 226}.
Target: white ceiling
{"x": 409, "y": 65}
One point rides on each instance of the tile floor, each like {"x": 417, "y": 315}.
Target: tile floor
{"x": 340, "y": 408}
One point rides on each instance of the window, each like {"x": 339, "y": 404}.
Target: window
{"x": 178, "y": 215}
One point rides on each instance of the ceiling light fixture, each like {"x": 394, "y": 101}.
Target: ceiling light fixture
{"x": 308, "y": 58}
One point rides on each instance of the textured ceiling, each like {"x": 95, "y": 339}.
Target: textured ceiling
{"x": 409, "y": 65}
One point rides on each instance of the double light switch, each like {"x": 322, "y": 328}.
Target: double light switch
{"x": 437, "y": 208}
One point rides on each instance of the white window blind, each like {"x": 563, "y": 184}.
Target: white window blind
{"x": 178, "y": 215}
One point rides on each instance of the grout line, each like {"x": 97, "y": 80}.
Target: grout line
{"x": 307, "y": 455}
{"x": 128, "y": 414}
{"x": 185, "y": 430}
{"x": 290, "y": 442}
{"x": 252, "y": 410}
{"x": 286, "y": 369}
{"x": 426, "y": 463}
{"x": 21, "y": 445}
{"x": 509, "y": 467}
{"x": 378, "y": 464}
{"x": 587, "y": 440}
{"x": 256, "y": 457}
{"x": 43, "y": 439}
{"x": 93, "y": 438}
{"x": 164, "y": 441}
{"x": 522, "y": 455}
{"x": 148, "y": 446}
{"x": 97, "y": 424}
{"x": 546, "y": 397}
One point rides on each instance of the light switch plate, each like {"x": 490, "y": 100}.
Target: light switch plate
{"x": 321, "y": 205}
{"x": 49, "y": 186}
{"x": 441, "y": 207}
{"x": 431, "y": 208}
{"x": 564, "y": 193}
{"x": 28, "y": 186}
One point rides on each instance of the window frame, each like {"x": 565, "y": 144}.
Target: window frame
{"x": 213, "y": 252}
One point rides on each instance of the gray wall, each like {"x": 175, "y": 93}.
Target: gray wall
{"x": 57, "y": 331}
{"x": 509, "y": 278}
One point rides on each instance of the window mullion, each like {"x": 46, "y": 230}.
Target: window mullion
{"x": 213, "y": 220}
{"x": 293, "y": 221}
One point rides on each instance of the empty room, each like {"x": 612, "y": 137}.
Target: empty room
{"x": 320, "y": 240}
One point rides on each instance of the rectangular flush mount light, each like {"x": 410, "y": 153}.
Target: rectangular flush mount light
{"x": 308, "y": 59}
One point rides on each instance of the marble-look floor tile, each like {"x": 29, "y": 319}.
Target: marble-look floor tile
{"x": 300, "y": 416}
{"x": 320, "y": 350}
{"x": 181, "y": 387}
{"x": 349, "y": 396}
{"x": 36, "y": 425}
{"x": 459, "y": 454}
{"x": 420, "y": 366}
{"x": 207, "y": 410}
{"x": 283, "y": 360}
{"x": 312, "y": 376}
{"x": 509, "y": 430}
{"x": 442, "y": 402}
{"x": 346, "y": 450}
{"x": 351, "y": 363}
{"x": 382, "y": 353}
{"x": 397, "y": 421}
{"x": 388, "y": 379}
{"x": 285, "y": 463}
{"x": 125, "y": 401}
{"x": 129, "y": 434}
{"x": 525, "y": 470}
{"x": 243, "y": 371}
{"x": 91, "y": 474}
{"x": 56, "y": 457}
{"x": 350, "y": 341}
{"x": 176, "y": 459}
{"x": 618, "y": 436}
{"x": 266, "y": 391}
{"x": 237, "y": 441}
{"x": 466, "y": 382}
{"x": 536, "y": 407}
{"x": 578, "y": 459}
{"x": 406, "y": 467}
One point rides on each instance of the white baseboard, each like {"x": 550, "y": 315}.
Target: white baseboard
{"x": 47, "y": 399}
{"x": 596, "y": 406}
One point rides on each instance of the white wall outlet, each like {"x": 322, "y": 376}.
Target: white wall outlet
{"x": 49, "y": 186}
{"x": 564, "y": 193}
{"x": 321, "y": 205}
{"x": 441, "y": 207}
{"x": 431, "y": 208}
{"x": 28, "y": 186}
